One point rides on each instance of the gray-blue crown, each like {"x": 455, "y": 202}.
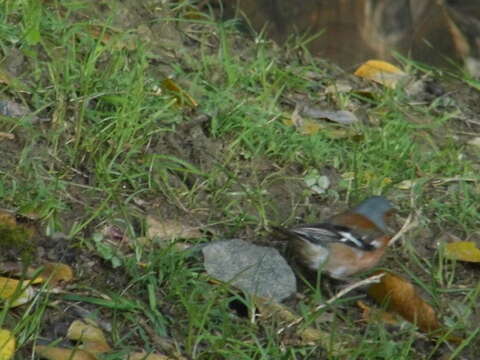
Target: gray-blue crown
{"x": 375, "y": 208}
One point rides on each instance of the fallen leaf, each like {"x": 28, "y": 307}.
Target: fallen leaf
{"x": 463, "y": 251}
{"x": 312, "y": 127}
{"x": 339, "y": 116}
{"x": 147, "y": 356}
{"x": 182, "y": 97}
{"x": 8, "y": 136}
{"x": 92, "y": 338}
{"x": 58, "y": 353}
{"x": 7, "y": 218}
{"x": 55, "y": 273}
{"x": 401, "y": 297}
{"x": 168, "y": 230}
{"x": 7, "y": 344}
{"x": 381, "y": 72}
{"x": 15, "y": 290}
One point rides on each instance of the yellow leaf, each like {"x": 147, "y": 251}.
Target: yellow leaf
{"x": 312, "y": 127}
{"x": 58, "y": 353}
{"x": 463, "y": 251}
{"x": 381, "y": 72}
{"x": 11, "y": 288}
{"x": 92, "y": 337}
{"x": 7, "y": 218}
{"x": 55, "y": 273}
{"x": 181, "y": 95}
{"x": 7, "y": 344}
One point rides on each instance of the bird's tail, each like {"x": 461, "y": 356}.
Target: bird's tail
{"x": 286, "y": 233}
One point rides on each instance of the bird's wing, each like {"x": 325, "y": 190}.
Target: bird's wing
{"x": 324, "y": 233}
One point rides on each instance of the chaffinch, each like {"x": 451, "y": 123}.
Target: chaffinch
{"x": 347, "y": 243}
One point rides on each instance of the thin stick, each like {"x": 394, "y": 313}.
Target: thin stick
{"x": 411, "y": 221}
{"x": 370, "y": 280}
{"x": 409, "y": 224}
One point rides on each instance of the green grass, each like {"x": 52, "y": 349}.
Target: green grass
{"x": 113, "y": 141}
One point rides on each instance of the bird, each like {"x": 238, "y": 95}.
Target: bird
{"x": 345, "y": 244}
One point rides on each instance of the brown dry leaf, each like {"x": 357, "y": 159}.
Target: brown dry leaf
{"x": 54, "y": 273}
{"x": 7, "y": 136}
{"x": 58, "y": 353}
{"x": 402, "y": 297}
{"x": 92, "y": 337}
{"x": 147, "y": 356}
{"x": 170, "y": 230}
{"x": 7, "y": 218}
{"x": 16, "y": 289}
{"x": 7, "y": 345}
{"x": 381, "y": 72}
{"x": 463, "y": 251}
{"x": 182, "y": 97}
{"x": 372, "y": 315}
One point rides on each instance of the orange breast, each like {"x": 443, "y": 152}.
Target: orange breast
{"x": 345, "y": 261}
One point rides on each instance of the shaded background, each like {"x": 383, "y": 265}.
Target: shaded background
{"x": 431, "y": 31}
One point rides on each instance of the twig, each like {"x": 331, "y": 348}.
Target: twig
{"x": 409, "y": 224}
{"x": 411, "y": 221}
{"x": 370, "y": 280}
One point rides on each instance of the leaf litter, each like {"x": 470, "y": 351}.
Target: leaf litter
{"x": 386, "y": 75}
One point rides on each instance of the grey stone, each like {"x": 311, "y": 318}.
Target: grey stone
{"x": 257, "y": 270}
